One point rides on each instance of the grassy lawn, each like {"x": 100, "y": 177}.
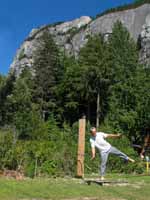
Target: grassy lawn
{"x": 138, "y": 188}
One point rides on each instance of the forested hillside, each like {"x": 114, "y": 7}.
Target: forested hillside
{"x": 133, "y": 5}
{"x": 39, "y": 110}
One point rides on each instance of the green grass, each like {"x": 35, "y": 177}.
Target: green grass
{"x": 67, "y": 188}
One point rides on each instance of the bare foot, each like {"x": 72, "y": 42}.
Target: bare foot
{"x": 102, "y": 178}
{"x": 131, "y": 160}
{"x": 141, "y": 156}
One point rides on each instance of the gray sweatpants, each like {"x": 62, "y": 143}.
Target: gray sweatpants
{"x": 104, "y": 158}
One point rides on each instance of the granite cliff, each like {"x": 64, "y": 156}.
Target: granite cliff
{"x": 72, "y": 35}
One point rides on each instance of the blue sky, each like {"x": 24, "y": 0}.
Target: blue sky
{"x": 18, "y": 17}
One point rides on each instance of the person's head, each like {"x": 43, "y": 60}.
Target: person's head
{"x": 93, "y": 131}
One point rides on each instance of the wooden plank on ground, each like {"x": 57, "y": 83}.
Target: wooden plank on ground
{"x": 105, "y": 182}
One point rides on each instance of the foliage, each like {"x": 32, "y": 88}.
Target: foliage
{"x": 39, "y": 110}
{"x": 6, "y": 148}
{"x": 48, "y": 72}
{"x": 6, "y": 87}
{"x": 51, "y": 155}
{"x": 124, "y": 61}
{"x": 70, "y": 90}
{"x": 96, "y": 74}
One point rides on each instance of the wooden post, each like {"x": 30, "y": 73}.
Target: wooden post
{"x": 81, "y": 148}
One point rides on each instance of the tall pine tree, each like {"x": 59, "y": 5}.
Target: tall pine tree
{"x": 123, "y": 56}
{"x": 96, "y": 75}
{"x": 48, "y": 72}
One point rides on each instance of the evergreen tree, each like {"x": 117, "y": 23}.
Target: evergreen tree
{"x": 123, "y": 56}
{"x": 70, "y": 91}
{"x": 96, "y": 75}
{"x": 2, "y": 80}
{"x": 6, "y": 87}
{"x": 24, "y": 116}
{"x": 48, "y": 71}
{"x": 142, "y": 101}
{"x": 19, "y": 102}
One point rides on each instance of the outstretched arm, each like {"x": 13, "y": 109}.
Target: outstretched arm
{"x": 113, "y": 135}
{"x": 93, "y": 153}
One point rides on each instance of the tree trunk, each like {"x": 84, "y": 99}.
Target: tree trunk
{"x": 35, "y": 169}
{"x": 98, "y": 110}
{"x": 88, "y": 112}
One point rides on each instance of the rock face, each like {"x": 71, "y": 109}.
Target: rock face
{"x": 145, "y": 42}
{"x": 71, "y": 36}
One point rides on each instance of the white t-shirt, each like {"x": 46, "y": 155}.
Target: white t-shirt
{"x": 99, "y": 142}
